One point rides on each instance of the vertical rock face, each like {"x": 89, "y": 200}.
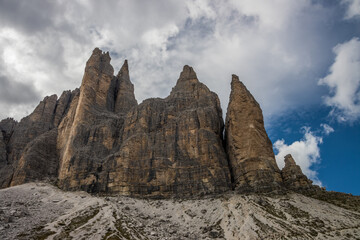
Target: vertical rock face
{"x": 173, "y": 146}
{"x": 37, "y": 123}
{"x": 3, "y": 153}
{"x": 88, "y": 132}
{"x": 293, "y": 177}
{"x": 30, "y": 127}
{"x": 249, "y": 149}
{"x": 163, "y": 147}
{"x": 62, "y": 106}
{"x": 124, "y": 91}
{"x": 7, "y": 127}
{"x": 96, "y": 82}
{"x": 38, "y": 161}
{"x": 29, "y": 144}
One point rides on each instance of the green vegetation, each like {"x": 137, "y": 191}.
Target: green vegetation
{"x": 343, "y": 200}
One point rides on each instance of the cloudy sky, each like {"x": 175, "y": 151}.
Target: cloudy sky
{"x": 299, "y": 58}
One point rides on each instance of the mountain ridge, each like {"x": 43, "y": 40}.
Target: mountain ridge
{"x": 99, "y": 139}
{"x": 167, "y": 168}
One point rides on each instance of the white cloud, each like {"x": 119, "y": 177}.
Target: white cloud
{"x": 326, "y": 128}
{"x": 353, "y": 8}
{"x": 200, "y": 8}
{"x": 159, "y": 37}
{"x": 272, "y": 14}
{"x": 306, "y": 153}
{"x": 344, "y": 81}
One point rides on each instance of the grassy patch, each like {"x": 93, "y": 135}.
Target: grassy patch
{"x": 343, "y": 200}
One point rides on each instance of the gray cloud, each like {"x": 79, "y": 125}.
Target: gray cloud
{"x": 29, "y": 16}
{"x": 12, "y": 92}
{"x": 279, "y": 50}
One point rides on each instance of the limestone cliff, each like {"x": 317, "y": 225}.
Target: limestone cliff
{"x": 2, "y": 150}
{"x": 250, "y": 152}
{"x": 161, "y": 147}
{"x": 99, "y": 139}
{"x": 123, "y": 91}
{"x": 88, "y": 133}
{"x": 6, "y": 130}
{"x": 176, "y": 143}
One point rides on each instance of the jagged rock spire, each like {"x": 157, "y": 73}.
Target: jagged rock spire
{"x": 96, "y": 81}
{"x": 187, "y": 73}
{"x": 188, "y": 82}
{"x": 292, "y": 175}
{"x": 251, "y": 157}
{"x": 124, "y": 70}
{"x": 124, "y": 91}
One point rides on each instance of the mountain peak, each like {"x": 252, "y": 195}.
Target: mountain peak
{"x": 289, "y": 160}
{"x": 293, "y": 177}
{"x": 187, "y": 73}
{"x": 248, "y": 145}
{"x": 124, "y": 69}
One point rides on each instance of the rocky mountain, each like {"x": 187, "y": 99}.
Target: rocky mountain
{"x": 99, "y": 139}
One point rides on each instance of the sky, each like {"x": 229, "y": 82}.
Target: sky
{"x": 299, "y": 58}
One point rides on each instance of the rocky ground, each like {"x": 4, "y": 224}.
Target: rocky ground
{"x": 42, "y": 211}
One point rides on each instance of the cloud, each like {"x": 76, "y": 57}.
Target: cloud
{"x": 46, "y": 44}
{"x": 28, "y": 16}
{"x": 16, "y": 97}
{"x": 326, "y": 128}
{"x": 344, "y": 81}
{"x": 12, "y": 92}
{"x": 306, "y": 153}
{"x": 200, "y": 8}
{"x": 353, "y": 8}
